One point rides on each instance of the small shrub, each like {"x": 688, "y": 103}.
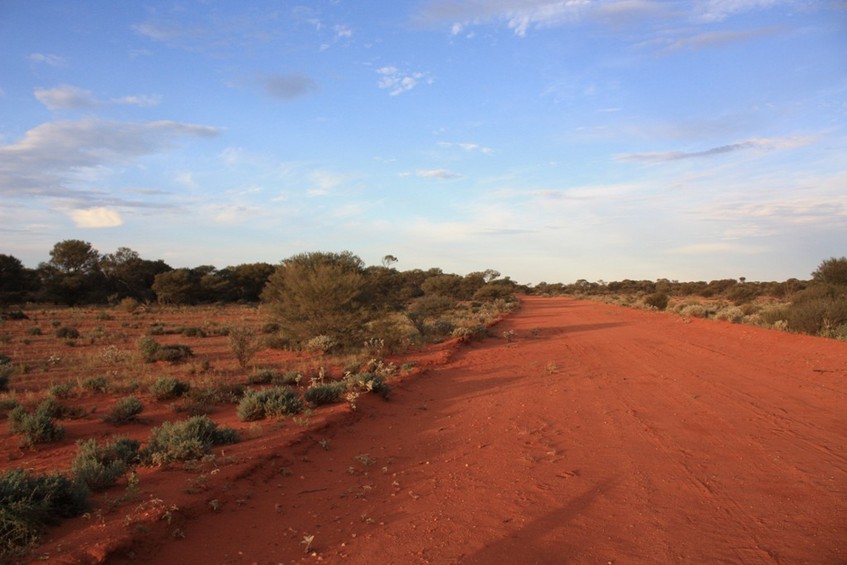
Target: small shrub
{"x": 658, "y": 300}
{"x": 34, "y": 330}
{"x": 277, "y": 401}
{"x": 369, "y": 382}
{"x": 95, "y": 384}
{"x": 13, "y": 315}
{"x": 61, "y": 390}
{"x": 6, "y": 370}
{"x": 29, "y": 503}
{"x": 290, "y": 378}
{"x": 324, "y": 393}
{"x": 100, "y": 466}
{"x": 244, "y": 344}
{"x": 124, "y": 410}
{"x": 732, "y": 314}
{"x": 66, "y": 332}
{"x": 105, "y": 316}
{"x": 193, "y": 331}
{"x": 128, "y": 304}
{"x": 35, "y": 427}
{"x": 185, "y": 440}
{"x": 321, "y": 344}
{"x": 262, "y": 377}
{"x": 166, "y": 388}
{"x": 151, "y": 351}
{"x": 693, "y": 311}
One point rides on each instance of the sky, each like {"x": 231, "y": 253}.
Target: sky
{"x": 548, "y": 140}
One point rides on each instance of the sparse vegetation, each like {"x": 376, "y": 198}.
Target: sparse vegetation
{"x": 38, "y": 426}
{"x": 244, "y": 344}
{"x": 276, "y": 401}
{"x": 124, "y": 410}
{"x": 168, "y": 388}
{"x": 324, "y": 393}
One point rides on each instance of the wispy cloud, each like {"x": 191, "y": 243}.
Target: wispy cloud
{"x": 676, "y": 40}
{"x": 760, "y": 144}
{"x": 717, "y": 10}
{"x": 47, "y": 59}
{"x": 468, "y": 147}
{"x": 440, "y": 174}
{"x": 67, "y": 97}
{"x": 715, "y": 248}
{"x": 289, "y": 86}
{"x": 52, "y": 157}
{"x": 397, "y": 82}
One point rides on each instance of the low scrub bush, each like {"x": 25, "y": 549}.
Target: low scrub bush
{"x": 818, "y": 309}
{"x": 262, "y": 377}
{"x": 38, "y": 426}
{"x": 61, "y": 390}
{"x": 29, "y": 503}
{"x": 95, "y": 384}
{"x": 167, "y": 388}
{"x": 657, "y": 300}
{"x": 124, "y": 410}
{"x": 100, "y": 466}
{"x": 185, "y": 440}
{"x": 732, "y": 314}
{"x": 34, "y": 330}
{"x": 277, "y": 401}
{"x": 6, "y": 370}
{"x": 324, "y": 393}
{"x": 321, "y": 344}
{"x": 151, "y": 351}
{"x": 66, "y": 332}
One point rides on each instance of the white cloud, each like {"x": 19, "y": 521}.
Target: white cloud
{"x": 717, "y": 10}
{"x": 66, "y": 97}
{"x": 50, "y": 158}
{"x": 186, "y": 179}
{"x": 750, "y": 144}
{"x": 47, "y": 59}
{"x": 289, "y": 86}
{"x": 343, "y": 31}
{"x": 397, "y": 82}
{"x": 441, "y": 174}
{"x": 323, "y": 182}
{"x": 469, "y": 147}
{"x": 99, "y": 217}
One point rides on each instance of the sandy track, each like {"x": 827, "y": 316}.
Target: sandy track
{"x": 598, "y": 434}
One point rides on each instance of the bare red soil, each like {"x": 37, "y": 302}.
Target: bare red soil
{"x": 596, "y": 434}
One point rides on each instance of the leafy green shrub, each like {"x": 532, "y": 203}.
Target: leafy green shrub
{"x": 324, "y": 393}
{"x": 166, "y": 388}
{"x": 29, "y": 503}
{"x": 657, "y": 300}
{"x": 277, "y": 401}
{"x": 100, "y": 466}
{"x": 37, "y": 426}
{"x": 66, "y": 332}
{"x": 95, "y": 384}
{"x": 124, "y": 410}
{"x": 817, "y": 309}
{"x": 244, "y": 344}
{"x": 185, "y": 440}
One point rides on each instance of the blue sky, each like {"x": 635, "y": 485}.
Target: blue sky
{"x": 550, "y": 140}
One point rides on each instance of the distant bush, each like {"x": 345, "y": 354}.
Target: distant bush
{"x": 166, "y": 388}
{"x": 100, "y": 466}
{"x": 66, "y": 332}
{"x": 262, "y": 377}
{"x": 185, "y": 440}
{"x": 61, "y": 390}
{"x": 29, "y": 503}
{"x": 6, "y": 370}
{"x": 324, "y": 393}
{"x": 34, "y": 330}
{"x": 818, "y": 309}
{"x": 369, "y": 382}
{"x": 37, "y": 426}
{"x": 732, "y": 314}
{"x": 320, "y": 344}
{"x": 693, "y": 311}
{"x": 128, "y": 304}
{"x": 151, "y": 351}
{"x": 657, "y": 300}
{"x": 193, "y": 331}
{"x": 124, "y": 410}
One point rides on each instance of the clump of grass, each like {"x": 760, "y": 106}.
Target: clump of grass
{"x": 124, "y": 410}
{"x": 100, "y": 466}
{"x": 61, "y": 390}
{"x": 29, "y": 503}
{"x": 38, "y": 426}
{"x": 167, "y": 388}
{"x": 262, "y": 377}
{"x": 324, "y": 393}
{"x": 185, "y": 440}
{"x": 277, "y": 401}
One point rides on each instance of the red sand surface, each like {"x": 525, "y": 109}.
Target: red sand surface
{"x": 596, "y": 434}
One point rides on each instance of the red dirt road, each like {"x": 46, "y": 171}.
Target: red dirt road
{"x": 598, "y": 434}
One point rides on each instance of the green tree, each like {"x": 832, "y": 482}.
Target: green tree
{"x": 73, "y": 275}
{"x": 832, "y": 271}
{"x": 320, "y": 293}
{"x": 179, "y": 286}
{"x": 128, "y": 274}
{"x": 15, "y": 280}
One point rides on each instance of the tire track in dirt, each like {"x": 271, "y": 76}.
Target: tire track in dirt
{"x": 598, "y": 434}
